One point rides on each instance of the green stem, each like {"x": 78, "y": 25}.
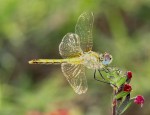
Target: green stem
{"x": 114, "y": 103}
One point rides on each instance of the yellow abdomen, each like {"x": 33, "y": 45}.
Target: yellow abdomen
{"x": 56, "y": 61}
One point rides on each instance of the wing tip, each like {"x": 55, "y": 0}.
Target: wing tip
{"x": 79, "y": 91}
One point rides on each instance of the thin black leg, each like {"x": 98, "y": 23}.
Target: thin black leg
{"x": 106, "y": 70}
{"x": 98, "y": 79}
{"x": 103, "y": 81}
{"x": 112, "y": 67}
{"x": 101, "y": 74}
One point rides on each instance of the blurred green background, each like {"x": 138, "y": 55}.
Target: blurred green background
{"x": 31, "y": 29}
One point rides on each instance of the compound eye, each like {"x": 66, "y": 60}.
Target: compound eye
{"x": 107, "y": 59}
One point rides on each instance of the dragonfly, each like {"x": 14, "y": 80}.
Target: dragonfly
{"x": 77, "y": 55}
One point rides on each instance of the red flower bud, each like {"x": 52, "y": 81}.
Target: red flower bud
{"x": 127, "y": 88}
{"x": 139, "y": 100}
{"x": 129, "y": 74}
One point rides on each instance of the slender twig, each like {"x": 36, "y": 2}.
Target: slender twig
{"x": 114, "y": 103}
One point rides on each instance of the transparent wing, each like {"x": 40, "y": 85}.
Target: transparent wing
{"x": 75, "y": 74}
{"x": 84, "y": 30}
{"x": 70, "y": 46}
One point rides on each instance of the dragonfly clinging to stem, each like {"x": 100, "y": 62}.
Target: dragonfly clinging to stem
{"x": 76, "y": 50}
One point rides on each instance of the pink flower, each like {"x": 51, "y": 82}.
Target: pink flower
{"x": 129, "y": 74}
{"x": 139, "y": 100}
{"x": 127, "y": 88}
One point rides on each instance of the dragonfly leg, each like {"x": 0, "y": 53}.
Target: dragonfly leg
{"x": 111, "y": 68}
{"x": 105, "y": 69}
{"x": 100, "y": 80}
{"x": 108, "y": 70}
{"x": 103, "y": 78}
{"x": 101, "y": 74}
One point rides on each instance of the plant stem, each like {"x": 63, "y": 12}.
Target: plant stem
{"x": 114, "y": 102}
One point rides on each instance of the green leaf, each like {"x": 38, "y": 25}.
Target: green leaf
{"x": 121, "y": 94}
{"x": 124, "y": 106}
{"x": 121, "y": 81}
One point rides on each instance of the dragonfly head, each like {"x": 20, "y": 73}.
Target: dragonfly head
{"x": 106, "y": 58}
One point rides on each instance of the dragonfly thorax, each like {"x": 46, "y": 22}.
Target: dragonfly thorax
{"x": 91, "y": 60}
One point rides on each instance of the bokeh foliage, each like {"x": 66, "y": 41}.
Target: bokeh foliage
{"x": 34, "y": 28}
